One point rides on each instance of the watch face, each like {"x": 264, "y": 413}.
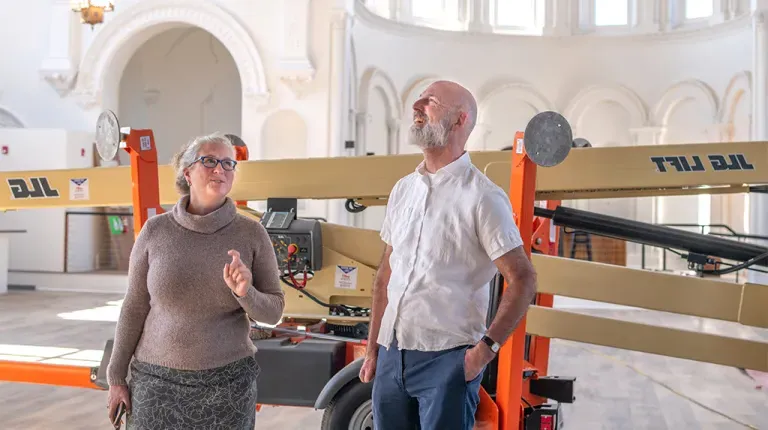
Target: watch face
{"x": 495, "y": 347}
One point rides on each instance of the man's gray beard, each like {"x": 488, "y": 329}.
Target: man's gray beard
{"x": 429, "y": 135}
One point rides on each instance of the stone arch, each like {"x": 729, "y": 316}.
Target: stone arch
{"x": 9, "y": 120}
{"x": 739, "y": 87}
{"x": 486, "y": 98}
{"x": 522, "y": 91}
{"x": 592, "y": 95}
{"x": 130, "y": 28}
{"x": 682, "y": 91}
{"x": 375, "y": 78}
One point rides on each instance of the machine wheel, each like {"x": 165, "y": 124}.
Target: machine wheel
{"x": 350, "y": 409}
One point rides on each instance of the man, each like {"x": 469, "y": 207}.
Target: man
{"x": 448, "y": 229}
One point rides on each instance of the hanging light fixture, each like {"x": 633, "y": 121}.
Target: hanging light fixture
{"x": 92, "y": 11}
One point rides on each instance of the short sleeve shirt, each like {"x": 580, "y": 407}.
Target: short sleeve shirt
{"x": 446, "y": 229}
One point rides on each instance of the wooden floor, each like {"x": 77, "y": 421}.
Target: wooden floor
{"x": 616, "y": 389}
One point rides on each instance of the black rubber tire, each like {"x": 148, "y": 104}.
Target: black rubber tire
{"x": 340, "y": 410}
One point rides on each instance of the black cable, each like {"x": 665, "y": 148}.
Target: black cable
{"x": 306, "y": 293}
{"x": 345, "y": 309}
{"x": 748, "y": 268}
{"x": 737, "y": 267}
{"x": 680, "y": 254}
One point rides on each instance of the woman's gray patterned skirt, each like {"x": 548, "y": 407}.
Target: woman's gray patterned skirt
{"x": 167, "y": 399}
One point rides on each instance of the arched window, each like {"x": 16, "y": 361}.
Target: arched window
{"x": 611, "y": 12}
{"x": 380, "y": 7}
{"x": 437, "y": 13}
{"x": 696, "y": 9}
{"x": 514, "y": 14}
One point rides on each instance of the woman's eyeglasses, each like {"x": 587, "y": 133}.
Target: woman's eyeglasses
{"x": 211, "y": 162}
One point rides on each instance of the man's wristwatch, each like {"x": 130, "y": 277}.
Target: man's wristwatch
{"x": 495, "y": 347}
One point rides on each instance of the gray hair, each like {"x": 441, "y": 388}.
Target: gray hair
{"x": 189, "y": 153}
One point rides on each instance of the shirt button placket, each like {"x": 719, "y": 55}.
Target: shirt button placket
{"x": 420, "y": 227}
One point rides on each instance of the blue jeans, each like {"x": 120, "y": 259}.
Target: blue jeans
{"x": 423, "y": 390}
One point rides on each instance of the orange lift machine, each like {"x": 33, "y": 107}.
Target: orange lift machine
{"x": 313, "y": 357}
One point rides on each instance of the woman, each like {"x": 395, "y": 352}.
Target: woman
{"x": 196, "y": 276}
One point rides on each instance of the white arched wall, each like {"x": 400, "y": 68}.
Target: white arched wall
{"x": 504, "y": 108}
{"x": 378, "y": 129}
{"x": 687, "y": 113}
{"x": 594, "y": 95}
{"x": 285, "y": 135}
{"x": 118, "y": 40}
{"x": 9, "y": 120}
{"x": 605, "y": 115}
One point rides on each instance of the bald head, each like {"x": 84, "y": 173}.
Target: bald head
{"x": 444, "y": 114}
{"x": 461, "y": 98}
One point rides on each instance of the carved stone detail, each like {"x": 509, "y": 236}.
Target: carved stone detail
{"x": 59, "y": 66}
{"x": 296, "y": 68}
{"x": 61, "y": 81}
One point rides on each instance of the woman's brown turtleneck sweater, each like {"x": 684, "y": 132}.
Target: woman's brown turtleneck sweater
{"x": 178, "y": 312}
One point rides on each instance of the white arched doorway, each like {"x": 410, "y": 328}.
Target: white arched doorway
{"x": 182, "y": 83}
{"x": 98, "y": 84}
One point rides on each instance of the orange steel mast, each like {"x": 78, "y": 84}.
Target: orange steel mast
{"x": 140, "y": 145}
{"x": 511, "y": 360}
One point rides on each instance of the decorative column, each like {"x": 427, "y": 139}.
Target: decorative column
{"x": 646, "y": 17}
{"x": 479, "y": 19}
{"x": 340, "y": 57}
{"x": 393, "y": 138}
{"x": 758, "y": 202}
{"x": 643, "y": 136}
{"x": 646, "y": 208}
{"x": 60, "y": 65}
{"x": 361, "y": 132}
{"x": 557, "y": 18}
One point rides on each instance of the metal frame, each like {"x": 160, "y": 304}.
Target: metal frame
{"x": 586, "y": 173}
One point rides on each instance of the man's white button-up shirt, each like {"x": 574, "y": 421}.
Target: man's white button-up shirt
{"x": 445, "y": 229}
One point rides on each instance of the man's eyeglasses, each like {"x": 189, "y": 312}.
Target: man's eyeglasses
{"x": 211, "y": 162}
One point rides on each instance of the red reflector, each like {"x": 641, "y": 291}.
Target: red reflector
{"x": 546, "y": 422}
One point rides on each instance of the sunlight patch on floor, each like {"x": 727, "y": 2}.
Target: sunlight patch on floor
{"x": 108, "y": 313}
{"x": 50, "y": 355}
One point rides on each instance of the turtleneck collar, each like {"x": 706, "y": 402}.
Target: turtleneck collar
{"x": 205, "y": 224}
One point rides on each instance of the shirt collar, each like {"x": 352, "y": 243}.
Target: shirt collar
{"x": 455, "y": 168}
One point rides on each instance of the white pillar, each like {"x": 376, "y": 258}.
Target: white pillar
{"x": 643, "y": 136}
{"x": 557, "y": 18}
{"x": 337, "y": 116}
{"x": 393, "y": 138}
{"x": 647, "y": 18}
{"x": 479, "y": 16}
{"x": 60, "y": 64}
{"x": 758, "y": 203}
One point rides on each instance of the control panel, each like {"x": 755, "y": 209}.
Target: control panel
{"x": 297, "y": 242}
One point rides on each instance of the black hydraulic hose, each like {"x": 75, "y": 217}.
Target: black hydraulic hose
{"x": 654, "y": 235}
